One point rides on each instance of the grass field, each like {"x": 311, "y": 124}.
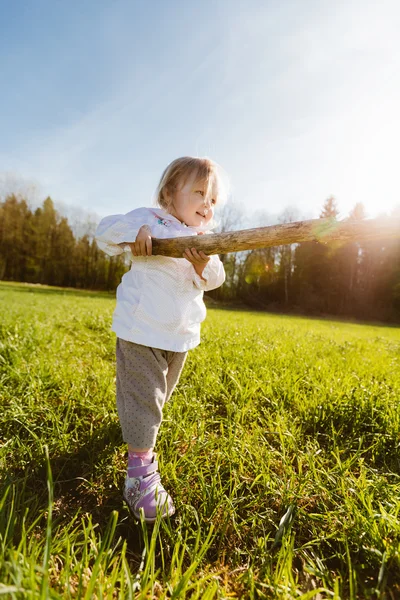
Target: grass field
{"x": 273, "y": 416}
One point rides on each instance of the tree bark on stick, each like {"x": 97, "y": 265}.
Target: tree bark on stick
{"x": 316, "y": 230}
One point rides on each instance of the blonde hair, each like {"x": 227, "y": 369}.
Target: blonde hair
{"x": 178, "y": 172}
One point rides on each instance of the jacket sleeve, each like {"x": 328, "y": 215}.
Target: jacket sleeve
{"x": 214, "y": 274}
{"x": 114, "y": 230}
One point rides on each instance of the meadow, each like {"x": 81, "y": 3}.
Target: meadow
{"x": 280, "y": 447}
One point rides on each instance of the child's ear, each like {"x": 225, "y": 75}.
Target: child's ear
{"x": 167, "y": 197}
{"x": 169, "y": 204}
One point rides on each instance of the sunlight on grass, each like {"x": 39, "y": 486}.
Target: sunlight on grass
{"x": 280, "y": 448}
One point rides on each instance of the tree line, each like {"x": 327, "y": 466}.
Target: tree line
{"x": 40, "y": 247}
{"x": 353, "y": 279}
{"x": 359, "y": 280}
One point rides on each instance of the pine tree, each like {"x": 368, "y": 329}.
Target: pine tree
{"x": 329, "y": 208}
{"x": 14, "y": 230}
{"x": 45, "y": 227}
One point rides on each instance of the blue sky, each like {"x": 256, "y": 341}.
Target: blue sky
{"x": 297, "y": 100}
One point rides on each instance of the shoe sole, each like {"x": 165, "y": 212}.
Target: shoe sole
{"x": 147, "y": 519}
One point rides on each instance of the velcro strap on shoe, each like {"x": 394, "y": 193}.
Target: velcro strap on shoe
{"x": 143, "y": 471}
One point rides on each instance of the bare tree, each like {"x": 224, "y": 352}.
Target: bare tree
{"x": 289, "y": 215}
{"x": 14, "y": 184}
{"x": 230, "y": 217}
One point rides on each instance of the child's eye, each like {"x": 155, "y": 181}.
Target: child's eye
{"x": 213, "y": 201}
{"x": 200, "y": 192}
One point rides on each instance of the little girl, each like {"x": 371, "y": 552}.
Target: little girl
{"x": 158, "y": 314}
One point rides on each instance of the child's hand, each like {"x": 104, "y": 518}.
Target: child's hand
{"x": 142, "y": 246}
{"x": 198, "y": 260}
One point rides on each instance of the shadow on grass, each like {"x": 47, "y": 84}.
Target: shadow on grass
{"x": 323, "y": 318}
{"x": 37, "y": 288}
{"x": 211, "y": 303}
{"x": 77, "y": 490}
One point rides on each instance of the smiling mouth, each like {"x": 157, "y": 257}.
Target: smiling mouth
{"x": 204, "y": 216}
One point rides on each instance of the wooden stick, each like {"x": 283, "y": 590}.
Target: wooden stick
{"x": 318, "y": 230}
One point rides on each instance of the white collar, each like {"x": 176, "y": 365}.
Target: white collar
{"x": 168, "y": 217}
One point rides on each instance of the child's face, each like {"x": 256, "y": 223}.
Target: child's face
{"x": 189, "y": 204}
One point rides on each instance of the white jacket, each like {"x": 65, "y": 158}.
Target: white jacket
{"x": 160, "y": 299}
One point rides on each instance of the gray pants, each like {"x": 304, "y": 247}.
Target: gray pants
{"x": 146, "y": 378}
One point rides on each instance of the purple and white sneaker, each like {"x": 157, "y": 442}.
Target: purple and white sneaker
{"x": 143, "y": 489}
